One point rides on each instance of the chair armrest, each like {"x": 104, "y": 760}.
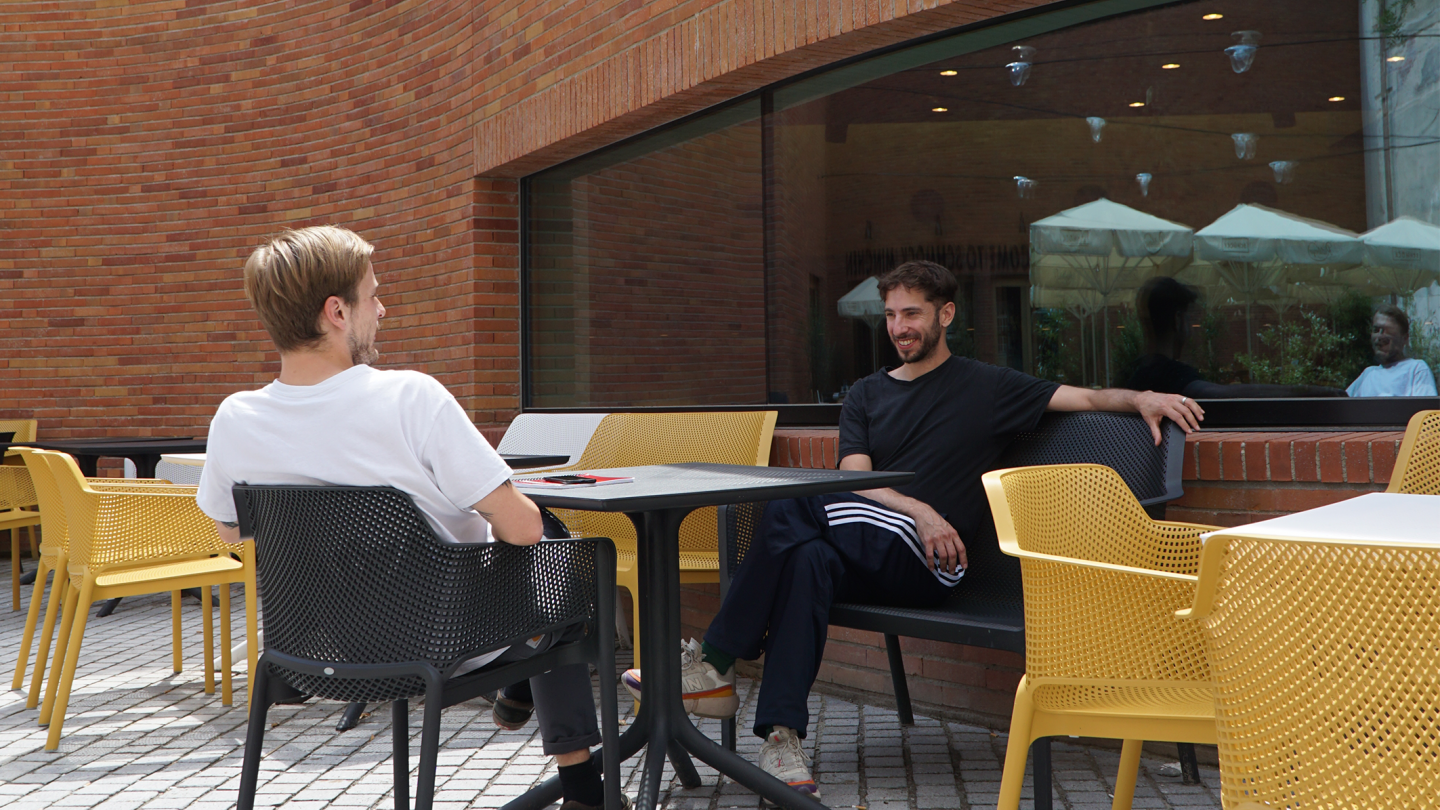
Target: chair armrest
{"x": 1100, "y": 566}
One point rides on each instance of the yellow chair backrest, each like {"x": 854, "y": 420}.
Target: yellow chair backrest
{"x": 55, "y": 530}
{"x": 1326, "y": 660}
{"x": 1082, "y": 538}
{"x": 16, "y": 489}
{"x": 635, "y": 439}
{"x": 24, "y": 429}
{"x": 1417, "y": 467}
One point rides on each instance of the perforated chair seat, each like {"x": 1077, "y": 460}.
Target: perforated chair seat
{"x": 1417, "y": 465}
{"x": 365, "y": 604}
{"x": 1181, "y": 703}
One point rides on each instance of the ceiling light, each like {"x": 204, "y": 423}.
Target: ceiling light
{"x": 949, "y": 73}
{"x": 1213, "y": 17}
{"x": 1137, "y": 104}
{"x": 1170, "y": 66}
{"x": 1337, "y": 98}
{"x": 939, "y": 109}
{"x": 1396, "y": 58}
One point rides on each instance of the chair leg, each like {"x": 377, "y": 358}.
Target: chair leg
{"x": 59, "y": 591}
{"x": 252, "y": 634}
{"x": 72, "y": 658}
{"x": 897, "y": 677}
{"x": 1012, "y": 780}
{"x": 400, "y": 751}
{"x": 32, "y": 618}
{"x": 207, "y": 618}
{"x": 225, "y": 685}
{"x": 67, "y": 620}
{"x": 175, "y": 658}
{"x": 254, "y": 742}
{"x": 727, "y": 733}
{"x": 429, "y": 748}
{"x": 14, "y": 569}
{"x": 1126, "y": 776}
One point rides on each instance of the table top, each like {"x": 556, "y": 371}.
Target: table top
{"x": 192, "y": 459}
{"x": 1381, "y": 518}
{"x": 668, "y": 486}
{"x": 119, "y": 446}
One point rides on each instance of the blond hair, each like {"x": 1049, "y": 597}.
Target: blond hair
{"x": 289, "y": 279}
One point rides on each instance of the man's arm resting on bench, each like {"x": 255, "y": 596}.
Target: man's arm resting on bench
{"x": 1183, "y": 411}
{"x": 941, "y": 541}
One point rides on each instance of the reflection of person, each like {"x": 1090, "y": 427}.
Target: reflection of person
{"x": 1164, "y": 306}
{"x": 944, "y": 417}
{"x": 1393, "y": 375}
{"x": 332, "y": 419}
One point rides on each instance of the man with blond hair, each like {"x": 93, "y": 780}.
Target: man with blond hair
{"x": 331, "y": 418}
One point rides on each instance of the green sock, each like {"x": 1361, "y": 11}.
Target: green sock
{"x": 716, "y": 657}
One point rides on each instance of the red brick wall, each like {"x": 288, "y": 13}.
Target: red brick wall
{"x": 146, "y": 148}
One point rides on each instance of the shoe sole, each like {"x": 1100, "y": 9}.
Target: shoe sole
{"x": 814, "y": 794}
{"x": 719, "y": 703}
{"x": 519, "y": 720}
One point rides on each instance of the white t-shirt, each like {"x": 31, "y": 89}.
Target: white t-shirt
{"x": 361, "y": 427}
{"x": 1407, "y": 378}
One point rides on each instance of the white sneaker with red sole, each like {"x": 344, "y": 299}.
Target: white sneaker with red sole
{"x": 705, "y": 691}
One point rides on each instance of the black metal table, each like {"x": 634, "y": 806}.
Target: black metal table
{"x": 145, "y": 452}
{"x": 656, "y": 502}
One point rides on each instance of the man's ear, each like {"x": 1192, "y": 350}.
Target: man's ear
{"x": 947, "y": 313}
{"x": 333, "y": 315}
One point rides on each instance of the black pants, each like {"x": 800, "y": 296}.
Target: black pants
{"x": 808, "y": 554}
{"x": 564, "y": 705}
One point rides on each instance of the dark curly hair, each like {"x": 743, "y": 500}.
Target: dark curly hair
{"x": 937, "y": 283}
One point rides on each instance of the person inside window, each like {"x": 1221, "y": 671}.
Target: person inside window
{"x": 1164, "y": 308}
{"x": 1393, "y": 375}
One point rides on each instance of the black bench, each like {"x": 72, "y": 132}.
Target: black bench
{"x": 989, "y": 610}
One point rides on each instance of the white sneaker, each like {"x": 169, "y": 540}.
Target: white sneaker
{"x": 705, "y": 691}
{"x": 782, "y": 757}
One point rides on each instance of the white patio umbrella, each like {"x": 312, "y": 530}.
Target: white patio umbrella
{"x": 1081, "y": 304}
{"x": 1253, "y": 248}
{"x": 1401, "y": 257}
{"x": 864, "y": 302}
{"x": 1106, "y": 248}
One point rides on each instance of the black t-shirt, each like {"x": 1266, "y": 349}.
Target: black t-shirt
{"x": 1162, "y": 374}
{"x": 948, "y": 427}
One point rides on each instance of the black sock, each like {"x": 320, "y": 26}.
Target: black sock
{"x": 519, "y": 692}
{"x": 582, "y": 783}
{"x": 763, "y": 732}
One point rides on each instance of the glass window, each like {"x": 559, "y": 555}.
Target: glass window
{"x": 1208, "y": 197}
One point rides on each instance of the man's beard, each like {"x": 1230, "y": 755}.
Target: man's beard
{"x": 929, "y": 340}
{"x": 363, "y": 354}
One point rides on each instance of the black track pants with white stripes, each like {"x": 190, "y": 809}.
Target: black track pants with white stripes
{"x": 809, "y": 554}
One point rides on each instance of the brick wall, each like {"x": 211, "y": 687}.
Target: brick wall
{"x": 147, "y": 147}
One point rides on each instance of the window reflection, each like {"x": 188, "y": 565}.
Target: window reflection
{"x": 1276, "y": 163}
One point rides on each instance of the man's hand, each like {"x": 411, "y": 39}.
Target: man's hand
{"x": 943, "y": 549}
{"x": 1183, "y": 411}
{"x": 942, "y": 542}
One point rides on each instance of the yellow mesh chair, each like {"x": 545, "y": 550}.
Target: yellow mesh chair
{"x": 17, "y": 511}
{"x": 54, "y": 556}
{"x": 1105, "y": 655}
{"x": 1417, "y": 467}
{"x": 635, "y": 439}
{"x": 1326, "y": 660}
{"x": 131, "y": 542}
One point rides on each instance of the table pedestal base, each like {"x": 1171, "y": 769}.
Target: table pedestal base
{"x": 663, "y": 727}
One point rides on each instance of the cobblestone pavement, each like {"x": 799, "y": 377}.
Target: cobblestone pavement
{"x": 141, "y": 736}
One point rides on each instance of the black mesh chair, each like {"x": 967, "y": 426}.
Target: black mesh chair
{"x": 364, "y": 604}
{"x": 989, "y": 610}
